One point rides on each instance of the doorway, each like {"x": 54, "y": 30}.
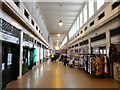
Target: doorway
{"x": 10, "y": 62}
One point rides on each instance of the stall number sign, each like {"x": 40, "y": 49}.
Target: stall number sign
{"x": 9, "y": 38}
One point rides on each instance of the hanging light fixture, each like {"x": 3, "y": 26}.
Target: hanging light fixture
{"x": 60, "y": 23}
{"x": 58, "y": 35}
{"x": 31, "y": 35}
{"x": 57, "y": 47}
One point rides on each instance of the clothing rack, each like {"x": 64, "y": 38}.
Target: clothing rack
{"x": 94, "y": 64}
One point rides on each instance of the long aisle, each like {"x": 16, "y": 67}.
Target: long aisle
{"x": 56, "y": 75}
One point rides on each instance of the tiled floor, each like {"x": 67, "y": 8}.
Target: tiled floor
{"x": 56, "y": 75}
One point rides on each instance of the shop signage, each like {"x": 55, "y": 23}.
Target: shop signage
{"x": 9, "y": 38}
{"x": 115, "y": 39}
{"x": 35, "y": 46}
{"x": 27, "y": 44}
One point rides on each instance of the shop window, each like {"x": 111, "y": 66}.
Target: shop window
{"x": 115, "y": 32}
{"x": 26, "y": 14}
{"x": 17, "y": 3}
{"x": 95, "y": 50}
{"x": 85, "y": 28}
{"x": 115, "y": 4}
{"x": 32, "y": 22}
{"x": 99, "y": 37}
{"x": 99, "y": 50}
{"x": 27, "y": 37}
{"x": 92, "y": 23}
{"x": 101, "y": 16}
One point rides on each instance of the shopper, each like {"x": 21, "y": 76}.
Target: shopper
{"x": 52, "y": 57}
{"x": 62, "y": 58}
{"x": 55, "y": 57}
{"x": 65, "y": 60}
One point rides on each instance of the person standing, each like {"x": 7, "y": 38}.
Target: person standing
{"x": 52, "y": 57}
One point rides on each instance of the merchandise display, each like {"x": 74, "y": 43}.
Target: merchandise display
{"x": 76, "y": 60}
{"x": 95, "y": 65}
{"x": 114, "y": 53}
{"x": 99, "y": 65}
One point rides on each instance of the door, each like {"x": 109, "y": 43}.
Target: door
{"x": 25, "y": 61}
{"x": 31, "y": 58}
{"x": 10, "y": 62}
{"x": 34, "y": 58}
{"x": 4, "y": 62}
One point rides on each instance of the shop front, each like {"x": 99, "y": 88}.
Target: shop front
{"x": 100, "y": 64}
{"x": 29, "y": 54}
{"x": 9, "y": 38}
{"x": 83, "y": 56}
{"x": 114, "y": 53}
{"x": 95, "y": 63}
{"x": 100, "y": 50}
{"x": 99, "y": 61}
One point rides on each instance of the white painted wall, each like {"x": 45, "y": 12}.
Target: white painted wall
{"x": 20, "y": 13}
{"x": 109, "y": 14}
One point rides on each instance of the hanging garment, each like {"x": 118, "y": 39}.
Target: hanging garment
{"x": 105, "y": 65}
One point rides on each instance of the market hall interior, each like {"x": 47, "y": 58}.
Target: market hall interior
{"x": 59, "y": 44}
